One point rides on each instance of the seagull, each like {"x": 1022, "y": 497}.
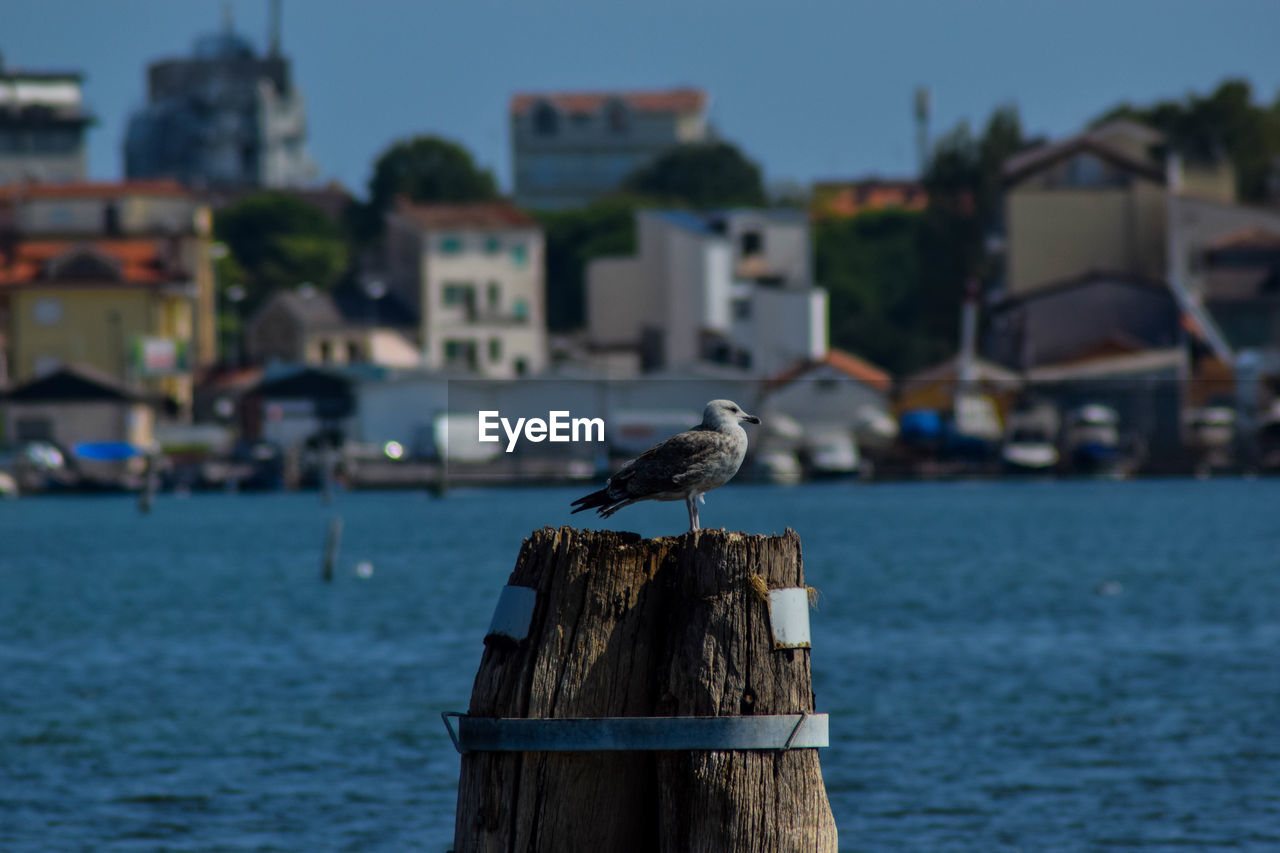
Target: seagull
{"x": 684, "y": 467}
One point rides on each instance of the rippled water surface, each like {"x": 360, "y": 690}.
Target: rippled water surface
{"x": 1009, "y": 666}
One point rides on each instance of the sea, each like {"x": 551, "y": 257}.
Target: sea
{"x": 1008, "y": 666}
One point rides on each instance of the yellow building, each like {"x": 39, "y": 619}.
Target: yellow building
{"x": 124, "y": 307}
{"x": 1096, "y": 202}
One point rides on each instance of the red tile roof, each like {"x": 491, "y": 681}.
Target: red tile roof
{"x": 659, "y": 101}
{"x": 140, "y": 261}
{"x": 488, "y": 214}
{"x": 847, "y": 363}
{"x": 93, "y": 189}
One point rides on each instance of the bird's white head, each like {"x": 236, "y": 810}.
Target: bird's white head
{"x": 720, "y": 414}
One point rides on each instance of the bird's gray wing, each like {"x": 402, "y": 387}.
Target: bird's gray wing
{"x": 669, "y": 466}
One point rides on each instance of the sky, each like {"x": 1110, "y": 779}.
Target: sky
{"x": 809, "y": 89}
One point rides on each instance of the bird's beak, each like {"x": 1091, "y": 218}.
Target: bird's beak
{"x": 751, "y": 419}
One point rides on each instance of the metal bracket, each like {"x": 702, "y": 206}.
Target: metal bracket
{"x": 573, "y": 734}
{"x": 789, "y": 617}
{"x": 514, "y": 613}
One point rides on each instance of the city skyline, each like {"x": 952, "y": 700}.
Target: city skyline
{"x": 823, "y": 91}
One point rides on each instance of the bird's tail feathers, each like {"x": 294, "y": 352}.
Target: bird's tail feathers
{"x": 596, "y": 499}
{"x": 601, "y": 502}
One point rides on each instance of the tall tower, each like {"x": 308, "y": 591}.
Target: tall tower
{"x": 273, "y": 30}
{"x": 922, "y": 106}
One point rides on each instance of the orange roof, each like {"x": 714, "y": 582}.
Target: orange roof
{"x": 653, "y": 101}
{"x": 847, "y": 363}
{"x": 138, "y": 260}
{"x": 1248, "y": 238}
{"x": 93, "y": 189}
{"x": 487, "y": 214}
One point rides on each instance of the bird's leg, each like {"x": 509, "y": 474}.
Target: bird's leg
{"x": 692, "y": 503}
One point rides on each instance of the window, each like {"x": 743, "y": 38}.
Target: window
{"x": 495, "y": 296}
{"x": 450, "y": 244}
{"x": 741, "y": 308}
{"x": 48, "y": 312}
{"x": 326, "y": 352}
{"x": 521, "y": 309}
{"x": 34, "y": 429}
{"x": 457, "y": 294}
{"x": 459, "y": 353}
{"x": 46, "y": 364}
{"x": 752, "y": 242}
{"x": 495, "y": 349}
{"x": 353, "y": 352}
{"x": 522, "y": 367}
{"x": 546, "y": 120}
{"x": 492, "y": 245}
{"x": 520, "y": 255}
{"x": 111, "y": 219}
{"x": 616, "y": 117}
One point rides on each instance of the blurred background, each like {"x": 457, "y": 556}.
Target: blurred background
{"x": 933, "y": 238}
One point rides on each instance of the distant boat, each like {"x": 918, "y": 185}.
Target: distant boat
{"x": 1268, "y": 437}
{"x": 1029, "y": 446}
{"x": 1029, "y": 452}
{"x": 105, "y": 451}
{"x": 831, "y": 452}
{"x": 1211, "y": 431}
{"x": 779, "y": 466}
{"x": 1092, "y": 441}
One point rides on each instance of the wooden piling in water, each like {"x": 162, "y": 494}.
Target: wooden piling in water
{"x": 630, "y": 627}
{"x": 332, "y": 542}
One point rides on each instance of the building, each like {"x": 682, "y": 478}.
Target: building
{"x": 77, "y": 404}
{"x": 1239, "y": 277}
{"x": 474, "y": 276}
{"x": 225, "y": 117}
{"x": 845, "y": 199}
{"x": 570, "y": 149}
{"x": 1133, "y": 278}
{"x": 161, "y": 212}
{"x": 42, "y": 126}
{"x": 732, "y": 288}
{"x": 837, "y": 405}
{"x": 1089, "y": 316}
{"x": 113, "y": 277}
{"x": 1099, "y": 202}
{"x": 349, "y": 326}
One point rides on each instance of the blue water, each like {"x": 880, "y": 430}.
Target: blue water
{"x": 1009, "y": 666}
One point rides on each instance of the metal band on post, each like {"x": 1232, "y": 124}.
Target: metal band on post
{"x": 577, "y": 734}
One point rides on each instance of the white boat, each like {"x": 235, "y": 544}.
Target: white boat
{"x": 1029, "y": 446}
{"x": 1091, "y": 441}
{"x": 1211, "y": 433}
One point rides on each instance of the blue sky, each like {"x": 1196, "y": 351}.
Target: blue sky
{"x": 808, "y": 89}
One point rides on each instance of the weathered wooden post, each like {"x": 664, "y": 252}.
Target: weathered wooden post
{"x": 332, "y": 542}
{"x": 648, "y": 630}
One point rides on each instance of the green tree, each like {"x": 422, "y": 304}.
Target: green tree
{"x": 573, "y": 239}
{"x": 425, "y": 169}
{"x": 277, "y": 241}
{"x": 895, "y": 278}
{"x": 701, "y": 175}
{"x": 874, "y": 273}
